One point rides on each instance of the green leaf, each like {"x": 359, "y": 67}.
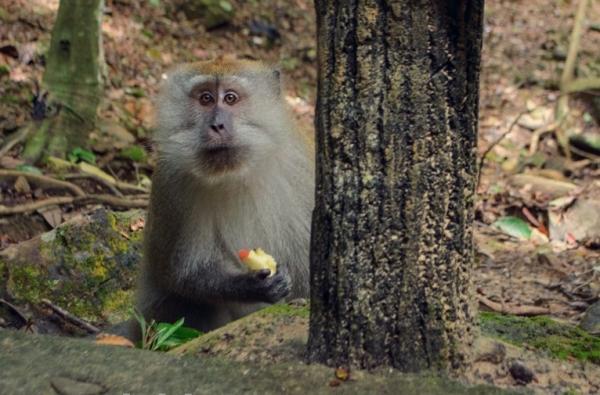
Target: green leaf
{"x": 496, "y": 188}
{"x": 155, "y": 3}
{"x": 29, "y": 169}
{"x": 186, "y": 333}
{"x": 79, "y": 154}
{"x": 147, "y": 33}
{"x": 165, "y": 332}
{"x": 5, "y": 70}
{"x": 135, "y": 153}
{"x": 140, "y": 318}
{"x": 137, "y": 92}
{"x": 513, "y": 226}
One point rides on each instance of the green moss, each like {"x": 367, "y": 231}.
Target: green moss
{"x": 112, "y": 221}
{"x": 558, "y": 339}
{"x": 24, "y": 281}
{"x": 97, "y": 267}
{"x": 284, "y": 309}
{"x": 117, "y": 305}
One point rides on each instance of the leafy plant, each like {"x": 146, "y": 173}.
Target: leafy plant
{"x": 163, "y": 336}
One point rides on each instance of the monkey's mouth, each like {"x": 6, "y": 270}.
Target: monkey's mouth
{"x": 221, "y": 157}
{"x": 219, "y": 150}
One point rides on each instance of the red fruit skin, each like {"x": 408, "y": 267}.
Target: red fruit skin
{"x": 243, "y": 254}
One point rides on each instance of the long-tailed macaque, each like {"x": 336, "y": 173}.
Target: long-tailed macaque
{"x": 233, "y": 174}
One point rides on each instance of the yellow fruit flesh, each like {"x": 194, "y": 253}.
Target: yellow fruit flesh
{"x": 259, "y": 260}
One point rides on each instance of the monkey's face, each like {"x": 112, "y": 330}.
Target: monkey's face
{"x": 221, "y": 108}
{"x": 220, "y": 125}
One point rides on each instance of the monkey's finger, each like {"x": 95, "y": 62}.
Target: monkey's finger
{"x": 263, "y": 273}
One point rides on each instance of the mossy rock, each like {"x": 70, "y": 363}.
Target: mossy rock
{"x": 87, "y": 266}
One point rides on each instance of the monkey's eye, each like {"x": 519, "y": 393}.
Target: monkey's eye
{"x": 230, "y": 98}
{"x": 206, "y": 99}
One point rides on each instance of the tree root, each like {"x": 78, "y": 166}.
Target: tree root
{"x": 79, "y": 198}
{"x": 526, "y": 311}
{"x": 140, "y": 202}
{"x": 99, "y": 180}
{"x": 41, "y": 180}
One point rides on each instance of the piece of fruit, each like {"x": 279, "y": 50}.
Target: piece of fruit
{"x": 257, "y": 260}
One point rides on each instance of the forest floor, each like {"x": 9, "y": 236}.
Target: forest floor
{"x": 555, "y": 272}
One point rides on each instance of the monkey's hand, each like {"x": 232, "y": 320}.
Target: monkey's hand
{"x": 269, "y": 287}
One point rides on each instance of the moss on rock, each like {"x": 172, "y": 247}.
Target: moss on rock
{"x": 86, "y": 266}
{"x": 560, "y": 340}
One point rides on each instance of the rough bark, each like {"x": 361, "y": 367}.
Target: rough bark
{"x": 391, "y": 253}
{"x": 73, "y": 77}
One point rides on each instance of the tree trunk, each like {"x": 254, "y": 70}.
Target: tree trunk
{"x": 396, "y": 122}
{"x": 73, "y": 77}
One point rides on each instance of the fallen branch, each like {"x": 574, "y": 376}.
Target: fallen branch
{"x": 525, "y": 311}
{"x": 70, "y": 318}
{"x": 15, "y": 310}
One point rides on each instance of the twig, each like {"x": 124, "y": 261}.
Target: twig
{"x": 42, "y": 180}
{"x": 591, "y": 158}
{"x": 99, "y": 180}
{"x": 535, "y": 136}
{"x": 15, "y": 310}
{"x": 492, "y": 145}
{"x": 70, "y": 318}
{"x": 577, "y": 288}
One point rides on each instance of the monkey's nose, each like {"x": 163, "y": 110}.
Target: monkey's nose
{"x": 218, "y": 130}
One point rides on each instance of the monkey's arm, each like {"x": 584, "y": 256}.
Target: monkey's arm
{"x": 207, "y": 280}
{"x": 210, "y": 283}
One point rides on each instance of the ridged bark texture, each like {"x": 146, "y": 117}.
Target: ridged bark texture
{"x": 391, "y": 252}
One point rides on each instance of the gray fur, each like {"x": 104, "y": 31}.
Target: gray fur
{"x": 197, "y": 221}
